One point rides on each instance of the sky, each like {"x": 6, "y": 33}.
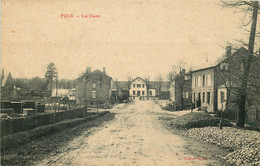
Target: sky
{"x": 129, "y": 38}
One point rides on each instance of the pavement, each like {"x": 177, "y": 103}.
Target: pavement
{"x": 135, "y": 137}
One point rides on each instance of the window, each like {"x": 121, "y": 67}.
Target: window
{"x": 133, "y": 85}
{"x": 199, "y": 81}
{"x": 94, "y": 94}
{"x": 209, "y": 80}
{"x": 151, "y": 93}
{"x": 94, "y": 85}
{"x": 185, "y": 94}
{"x": 143, "y": 85}
{"x": 203, "y": 97}
{"x": 222, "y": 99}
{"x": 196, "y": 81}
{"x": 208, "y": 97}
{"x": 224, "y": 66}
{"x": 138, "y": 85}
{"x": 133, "y": 92}
{"x": 242, "y": 67}
{"x": 203, "y": 80}
{"x": 142, "y": 92}
{"x": 138, "y": 93}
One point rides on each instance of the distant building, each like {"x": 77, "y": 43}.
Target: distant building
{"x": 94, "y": 88}
{"x": 120, "y": 90}
{"x": 186, "y": 95}
{"x": 59, "y": 94}
{"x": 142, "y": 89}
{"x": 7, "y": 87}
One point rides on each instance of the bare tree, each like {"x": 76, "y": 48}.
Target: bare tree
{"x": 178, "y": 75}
{"x": 129, "y": 80}
{"x": 248, "y": 7}
{"x": 148, "y": 86}
{"x": 118, "y": 89}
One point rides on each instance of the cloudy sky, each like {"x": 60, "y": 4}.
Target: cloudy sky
{"x": 129, "y": 38}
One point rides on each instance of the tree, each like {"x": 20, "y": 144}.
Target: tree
{"x": 118, "y": 89}
{"x": 51, "y": 74}
{"x": 129, "y": 80}
{"x": 247, "y": 7}
{"x": 148, "y": 86}
{"x": 159, "y": 82}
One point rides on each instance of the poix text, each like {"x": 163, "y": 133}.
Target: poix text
{"x": 80, "y": 16}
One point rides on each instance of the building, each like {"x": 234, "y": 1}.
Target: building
{"x": 138, "y": 88}
{"x": 216, "y": 87}
{"x": 181, "y": 90}
{"x": 60, "y": 94}
{"x": 229, "y": 73}
{"x": 204, "y": 88}
{"x": 120, "y": 90}
{"x": 94, "y": 88}
{"x": 143, "y": 89}
{"x": 7, "y": 87}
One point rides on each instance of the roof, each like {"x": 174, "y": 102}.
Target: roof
{"x": 209, "y": 66}
{"x": 122, "y": 84}
{"x": 240, "y": 51}
{"x": 201, "y": 69}
{"x": 165, "y": 85}
{"x": 60, "y": 93}
{"x": 138, "y": 78}
{"x": 6, "y": 80}
{"x": 99, "y": 72}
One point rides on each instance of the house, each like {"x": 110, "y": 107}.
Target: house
{"x": 94, "y": 88}
{"x": 120, "y": 90}
{"x": 177, "y": 96}
{"x": 216, "y": 87}
{"x": 204, "y": 88}
{"x": 63, "y": 94}
{"x": 138, "y": 88}
{"x": 230, "y": 71}
{"x": 7, "y": 87}
{"x": 142, "y": 89}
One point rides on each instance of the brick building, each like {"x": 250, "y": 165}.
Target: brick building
{"x": 94, "y": 88}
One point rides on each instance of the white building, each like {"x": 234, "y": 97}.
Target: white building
{"x": 138, "y": 88}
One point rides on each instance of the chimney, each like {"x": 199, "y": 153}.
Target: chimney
{"x": 228, "y": 51}
{"x": 88, "y": 70}
{"x": 104, "y": 70}
{"x": 183, "y": 71}
{"x": 3, "y": 73}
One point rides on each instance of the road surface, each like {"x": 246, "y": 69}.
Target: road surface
{"x": 135, "y": 137}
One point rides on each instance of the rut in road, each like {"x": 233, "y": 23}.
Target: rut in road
{"x": 135, "y": 137}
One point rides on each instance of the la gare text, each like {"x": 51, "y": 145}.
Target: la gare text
{"x": 80, "y": 16}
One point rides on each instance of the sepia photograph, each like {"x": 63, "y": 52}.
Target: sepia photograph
{"x": 130, "y": 83}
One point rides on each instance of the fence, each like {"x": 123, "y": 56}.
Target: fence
{"x": 10, "y": 126}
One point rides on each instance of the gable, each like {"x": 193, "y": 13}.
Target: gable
{"x": 138, "y": 80}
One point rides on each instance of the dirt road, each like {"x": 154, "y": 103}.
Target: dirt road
{"x": 135, "y": 137}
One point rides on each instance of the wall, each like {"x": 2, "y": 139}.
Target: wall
{"x": 197, "y": 87}
{"x": 10, "y": 126}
